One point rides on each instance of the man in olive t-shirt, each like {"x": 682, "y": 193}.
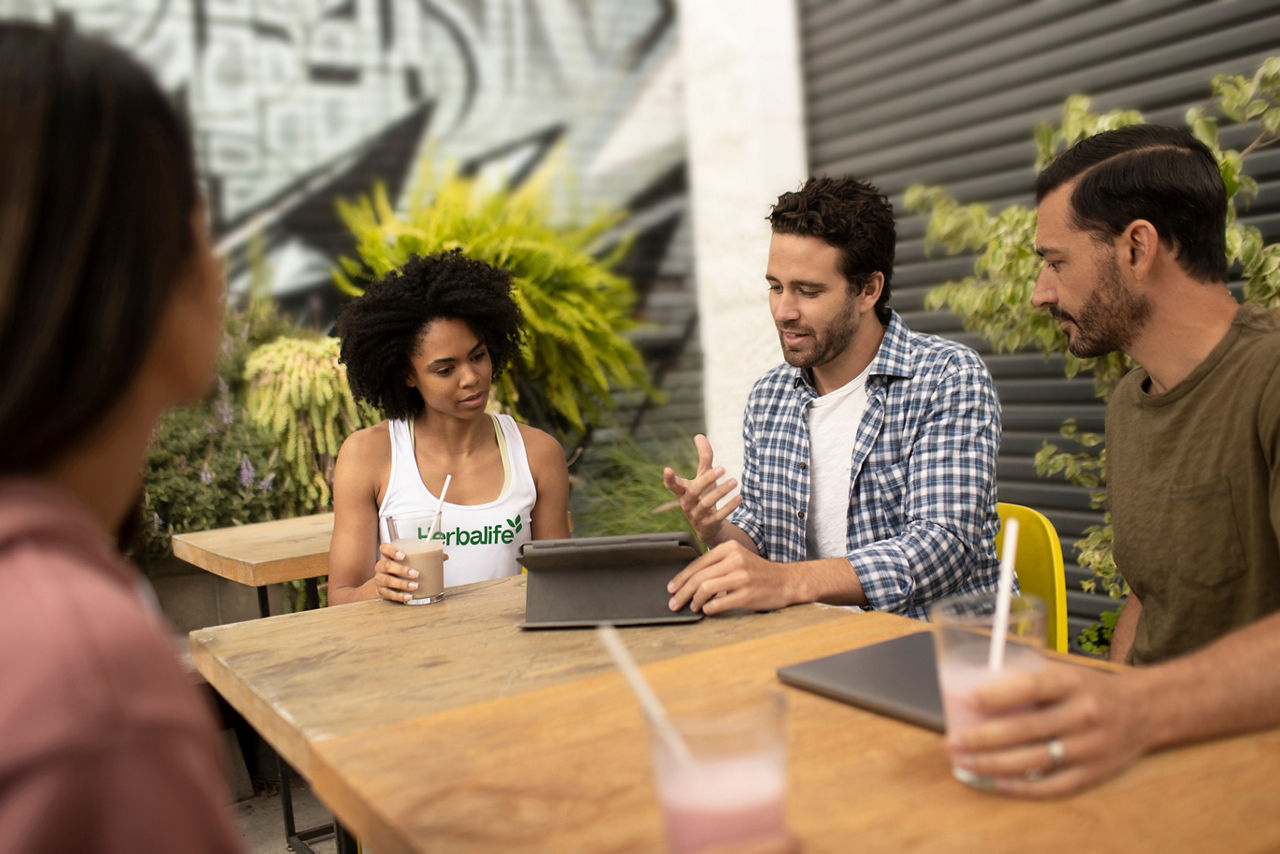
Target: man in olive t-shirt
{"x": 1191, "y": 481}
{"x": 1131, "y": 226}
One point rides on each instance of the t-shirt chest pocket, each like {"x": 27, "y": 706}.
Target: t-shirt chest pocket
{"x": 1200, "y": 518}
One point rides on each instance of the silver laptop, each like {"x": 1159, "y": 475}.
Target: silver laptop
{"x": 895, "y": 677}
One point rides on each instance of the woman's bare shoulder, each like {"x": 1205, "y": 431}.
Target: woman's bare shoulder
{"x": 546, "y": 456}
{"x": 539, "y": 441}
{"x": 363, "y": 465}
{"x": 367, "y": 445}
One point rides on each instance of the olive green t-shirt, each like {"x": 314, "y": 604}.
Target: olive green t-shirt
{"x": 1193, "y": 480}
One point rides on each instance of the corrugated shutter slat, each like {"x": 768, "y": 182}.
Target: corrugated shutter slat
{"x": 948, "y": 94}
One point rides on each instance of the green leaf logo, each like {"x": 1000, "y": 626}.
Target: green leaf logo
{"x": 516, "y": 524}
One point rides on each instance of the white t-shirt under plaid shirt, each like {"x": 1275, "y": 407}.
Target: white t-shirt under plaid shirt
{"x": 830, "y": 440}
{"x": 922, "y": 493}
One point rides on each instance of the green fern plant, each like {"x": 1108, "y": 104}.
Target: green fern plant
{"x": 620, "y": 490}
{"x": 996, "y": 300}
{"x": 576, "y": 308}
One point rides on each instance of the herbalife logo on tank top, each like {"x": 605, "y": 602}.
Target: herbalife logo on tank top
{"x": 487, "y": 535}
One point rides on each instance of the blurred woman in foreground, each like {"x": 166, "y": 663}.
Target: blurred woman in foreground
{"x": 110, "y": 311}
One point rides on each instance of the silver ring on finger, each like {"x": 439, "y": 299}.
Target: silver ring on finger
{"x": 1057, "y": 754}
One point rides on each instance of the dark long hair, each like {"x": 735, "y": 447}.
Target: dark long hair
{"x": 97, "y": 193}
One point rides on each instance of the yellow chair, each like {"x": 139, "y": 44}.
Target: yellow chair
{"x": 1039, "y": 567}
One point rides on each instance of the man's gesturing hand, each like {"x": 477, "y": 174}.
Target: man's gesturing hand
{"x": 699, "y": 495}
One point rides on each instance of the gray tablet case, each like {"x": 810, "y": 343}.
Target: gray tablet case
{"x": 896, "y": 677}
{"x": 592, "y": 580}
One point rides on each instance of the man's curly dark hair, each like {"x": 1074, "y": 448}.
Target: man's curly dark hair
{"x": 851, "y": 215}
{"x": 380, "y": 330}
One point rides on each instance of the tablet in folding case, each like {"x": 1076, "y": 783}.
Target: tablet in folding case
{"x": 895, "y": 677}
{"x": 593, "y": 580}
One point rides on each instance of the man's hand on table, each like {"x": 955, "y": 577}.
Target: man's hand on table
{"x": 699, "y": 495}
{"x": 1096, "y": 717}
{"x": 731, "y": 576}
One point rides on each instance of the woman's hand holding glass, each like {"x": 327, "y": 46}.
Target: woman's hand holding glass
{"x": 394, "y": 579}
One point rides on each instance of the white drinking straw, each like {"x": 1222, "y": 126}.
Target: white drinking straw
{"x": 1004, "y": 592}
{"x": 648, "y": 700}
{"x": 435, "y": 525}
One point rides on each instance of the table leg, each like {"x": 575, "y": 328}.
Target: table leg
{"x": 286, "y": 798}
{"x": 346, "y": 842}
{"x": 296, "y": 840}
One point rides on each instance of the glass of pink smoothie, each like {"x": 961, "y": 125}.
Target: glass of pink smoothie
{"x": 962, "y": 628}
{"x": 732, "y": 788}
{"x": 412, "y": 534}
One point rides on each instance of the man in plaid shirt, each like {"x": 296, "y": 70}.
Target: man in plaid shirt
{"x": 869, "y": 471}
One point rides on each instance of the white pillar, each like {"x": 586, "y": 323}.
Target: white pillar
{"x": 744, "y": 117}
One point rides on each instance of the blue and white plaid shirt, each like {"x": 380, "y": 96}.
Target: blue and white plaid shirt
{"x": 922, "y": 500}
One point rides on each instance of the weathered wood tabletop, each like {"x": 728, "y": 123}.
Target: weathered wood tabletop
{"x": 302, "y": 678}
{"x": 567, "y": 768}
{"x": 261, "y": 553}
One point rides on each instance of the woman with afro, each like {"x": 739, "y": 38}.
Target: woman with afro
{"x": 424, "y": 343}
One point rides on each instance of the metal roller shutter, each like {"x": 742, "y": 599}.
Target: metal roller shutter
{"x": 948, "y": 93}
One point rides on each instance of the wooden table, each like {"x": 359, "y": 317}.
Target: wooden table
{"x": 567, "y": 769}
{"x": 262, "y": 553}
{"x": 303, "y": 678}
{"x": 423, "y": 736}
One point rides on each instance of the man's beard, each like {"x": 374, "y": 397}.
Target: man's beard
{"x": 834, "y": 340}
{"x": 1108, "y": 321}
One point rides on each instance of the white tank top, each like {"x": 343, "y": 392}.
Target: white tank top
{"x": 482, "y": 540}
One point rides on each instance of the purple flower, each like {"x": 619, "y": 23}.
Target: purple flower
{"x": 267, "y": 482}
{"x": 246, "y": 472}
{"x": 206, "y": 476}
{"x": 225, "y": 413}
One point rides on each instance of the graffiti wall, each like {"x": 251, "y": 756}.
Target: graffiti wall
{"x": 295, "y": 102}
{"x": 298, "y": 102}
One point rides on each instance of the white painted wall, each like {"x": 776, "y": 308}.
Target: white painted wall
{"x": 745, "y": 123}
